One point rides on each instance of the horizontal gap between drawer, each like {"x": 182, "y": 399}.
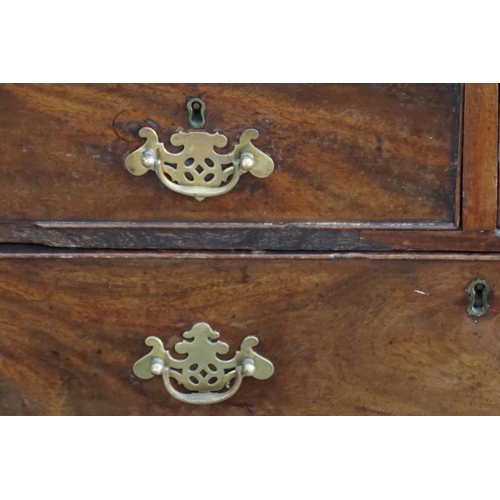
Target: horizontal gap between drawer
{"x": 240, "y": 225}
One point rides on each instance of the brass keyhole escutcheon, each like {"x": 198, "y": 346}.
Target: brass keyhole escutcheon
{"x": 196, "y": 112}
{"x": 478, "y": 291}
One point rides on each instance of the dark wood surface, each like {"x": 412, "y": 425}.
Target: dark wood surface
{"x": 283, "y": 237}
{"x": 379, "y": 334}
{"x": 354, "y": 153}
{"x": 378, "y": 170}
{"x": 480, "y": 156}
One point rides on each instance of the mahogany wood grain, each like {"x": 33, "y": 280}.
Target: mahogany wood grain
{"x": 354, "y": 153}
{"x": 366, "y": 334}
{"x": 480, "y": 157}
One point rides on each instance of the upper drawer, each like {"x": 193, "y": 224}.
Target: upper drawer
{"x": 342, "y": 153}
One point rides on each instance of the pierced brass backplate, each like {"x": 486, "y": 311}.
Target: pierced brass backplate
{"x": 198, "y": 170}
{"x": 201, "y": 370}
{"x": 478, "y": 291}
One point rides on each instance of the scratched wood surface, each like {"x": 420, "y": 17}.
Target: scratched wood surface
{"x": 285, "y": 237}
{"x": 356, "y": 335}
{"x": 353, "y": 153}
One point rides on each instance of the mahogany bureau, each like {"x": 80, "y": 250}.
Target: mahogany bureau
{"x": 341, "y": 239}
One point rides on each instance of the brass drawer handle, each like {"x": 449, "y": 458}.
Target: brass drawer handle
{"x": 201, "y": 370}
{"x": 198, "y": 170}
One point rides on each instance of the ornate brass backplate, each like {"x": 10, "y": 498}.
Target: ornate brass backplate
{"x": 198, "y": 170}
{"x": 202, "y": 371}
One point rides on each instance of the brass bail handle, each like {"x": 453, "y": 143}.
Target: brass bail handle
{"x": 201, "y": 371}
{"x": 198, "y": 170}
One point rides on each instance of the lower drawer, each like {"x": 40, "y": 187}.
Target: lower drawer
{"x": 348, "y": 334}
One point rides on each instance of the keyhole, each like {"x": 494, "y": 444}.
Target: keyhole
{"x": 478, "y": 300}
{"x": 478, "y": 291}
{"x": 196, "y": 112}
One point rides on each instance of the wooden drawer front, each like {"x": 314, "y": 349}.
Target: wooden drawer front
{"x": 346, "y": 335}
{"x": 343, "y": 153}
